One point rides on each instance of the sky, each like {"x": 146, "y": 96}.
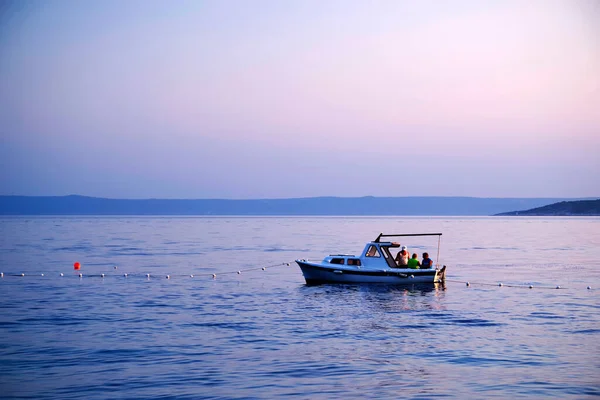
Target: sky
{"x": 278, "y": 99}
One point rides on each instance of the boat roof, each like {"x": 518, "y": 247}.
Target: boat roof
{"x": 378, "y": 240}
{"x": 389, "y": 244}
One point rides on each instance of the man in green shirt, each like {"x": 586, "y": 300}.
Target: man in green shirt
{"x": 414, "y": 262}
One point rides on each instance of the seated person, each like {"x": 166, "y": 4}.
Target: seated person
{"x": 427, "y": 262}
{"x": 402, "y": 257}
{"x": 414, "y": 262}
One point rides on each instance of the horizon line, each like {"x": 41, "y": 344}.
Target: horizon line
{"x": 300, "y": 198}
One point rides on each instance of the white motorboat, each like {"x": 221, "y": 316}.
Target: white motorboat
{"x": 374, "y": 265}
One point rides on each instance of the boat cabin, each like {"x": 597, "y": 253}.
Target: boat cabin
{"x": 376, "y": 254}
{"x": 379, "y": 252}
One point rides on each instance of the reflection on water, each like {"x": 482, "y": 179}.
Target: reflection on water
{"x": 377, "y": 297}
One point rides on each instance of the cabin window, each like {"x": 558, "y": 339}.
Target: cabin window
{"x": 353, "y": 261}
{"x": 372, "y": 252}
{"x": 337, "y": 261}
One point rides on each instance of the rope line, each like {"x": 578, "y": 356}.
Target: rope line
{"x": 500, "y": 284}
{"x": 264, "y": 268}
{"x": 168, "y": 276}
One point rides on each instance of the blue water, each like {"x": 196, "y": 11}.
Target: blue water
{"x": 265, "y": 334}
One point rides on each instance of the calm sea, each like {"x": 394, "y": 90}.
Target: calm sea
{"x": 265, "y": 334}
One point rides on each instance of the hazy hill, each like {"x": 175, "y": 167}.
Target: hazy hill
{"x": 566, "y": 208}
{"x": 82, "y": 205}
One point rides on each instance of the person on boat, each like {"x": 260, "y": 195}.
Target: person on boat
{"x": 427, "y": 262}
{"x": 402, "y": 257}
{"x": 414, "y": 263}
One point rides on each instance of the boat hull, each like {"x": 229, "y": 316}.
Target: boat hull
{"x": 315, "y": 273}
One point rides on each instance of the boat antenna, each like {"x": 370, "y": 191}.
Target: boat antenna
{"x": 437, "y": 258}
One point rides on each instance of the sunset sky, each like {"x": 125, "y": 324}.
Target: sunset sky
{"x": 277, "y": 99}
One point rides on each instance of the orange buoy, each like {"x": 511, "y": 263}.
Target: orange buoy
{"x": 76, "y": 265}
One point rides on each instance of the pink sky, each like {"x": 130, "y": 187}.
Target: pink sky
{"x": 293, "y": 99}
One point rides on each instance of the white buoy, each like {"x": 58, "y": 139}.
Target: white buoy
{"x": 42, "y": 274}
{"x": 500, "y": 284}
{"x": 589, "y": 287}
{"x": 288, "y": 264}
{"x": 147, "y": 275}
{"x": 81, "y": 275}
{"x": 239, "y": 272}
{"x": 61, "y": 274}
{"x": 191, "y": 276}
{"x": 412, "y": 276}
{"x": 1, "y": 274}
{"x": 168, "y": 277}
{"x": 22, "y": 274}
{"x": 115, "y": 267}
{"x": 530, "y": 286}
{"x": 214, "y": 276}
{"x": 263, "y": 268}
{"x": 468, "y": 284}
{"x": 558, "y": 287}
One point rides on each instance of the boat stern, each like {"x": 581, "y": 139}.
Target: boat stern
{"x": 440, "y": 274}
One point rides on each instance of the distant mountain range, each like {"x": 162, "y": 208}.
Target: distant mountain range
{"x": 563, "y": 208}
{"x": 443, "y": 206}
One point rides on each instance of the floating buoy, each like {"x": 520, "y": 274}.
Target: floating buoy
{"x": 125, "y": 275}
{"x": 500, "y": 284}
{"x": 61, "y": 274}
{"x": 147, "y": 275}
{"x": 589, "y": 287}
{"x": 102, "y": 275}
{"x": 239, "y": 272}
{"x": 214, "y": 276}
{"x": 168, "y": 277}
{"x": 81, "y": 275}
{"x": 22, "y": 274}
{"x": 530, "y": 286}
{"x": 77, "y": 265}
{"x": 42, "y": 274}
{"x": 263, "y": 268}
{"x": 115, "y": 267}
{"x": 558, "y": 287}
{"x": 412, "y": 276}
{"x": 1, "y": 274}
{"x": 288, "y": 264}
{"x": 468, "y": 284}
{"x": 191, "y": 276}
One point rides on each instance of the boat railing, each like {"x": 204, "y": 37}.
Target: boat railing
{"x": 405, "y": 234}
